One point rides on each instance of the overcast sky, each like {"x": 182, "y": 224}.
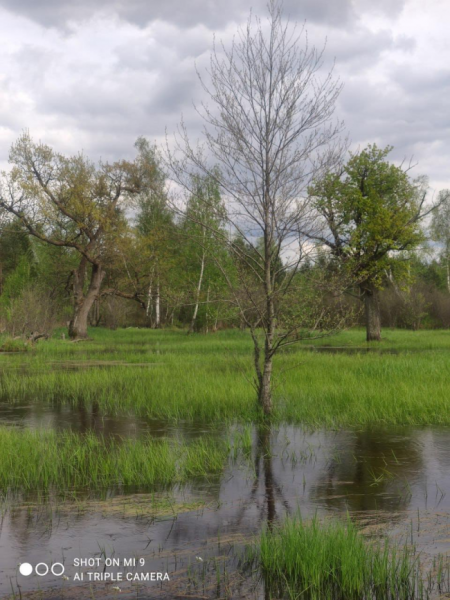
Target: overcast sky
{"x": 95, "y": 74}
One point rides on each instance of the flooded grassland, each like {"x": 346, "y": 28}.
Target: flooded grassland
{"x": 187, "y": 495}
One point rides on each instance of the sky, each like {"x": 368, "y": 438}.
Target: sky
{"x": 93, "y": 75}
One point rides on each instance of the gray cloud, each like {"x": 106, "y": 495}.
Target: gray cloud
{"x": 382, "y": 7}
{"x": 408, "y": 112}
{"x": 94, "y": 76}
{"x": 186, "y": 13}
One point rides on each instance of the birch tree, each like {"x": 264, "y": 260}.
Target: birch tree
{"x": 156, "y": 228}
{"x": 440, "y": 230}
{"x": 268, "y": 127}
{"x": 205, "y": 215}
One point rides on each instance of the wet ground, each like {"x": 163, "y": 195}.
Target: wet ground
{"x": 390, "y": 480}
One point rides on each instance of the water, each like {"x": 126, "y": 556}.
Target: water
{"x": 82, "y": 418}
{"x": 390, "y": 480}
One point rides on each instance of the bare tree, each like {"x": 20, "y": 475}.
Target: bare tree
{"x": 269, "y": 132}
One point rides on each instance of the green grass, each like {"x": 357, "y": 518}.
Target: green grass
{"x": 8, "y": 344}
{"x": 396, "y": 339}
{"x": 45, "y": 461}
{"x": 321, "y": 561}
{"x": 208, "y": 378}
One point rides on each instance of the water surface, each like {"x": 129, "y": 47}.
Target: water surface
{"x": 391, "y": 480}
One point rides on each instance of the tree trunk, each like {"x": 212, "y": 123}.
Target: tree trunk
{"x": 265, "y": 388}
{"x": 263, "y": 374}
{"x": 149, "y": 307}
{"x": 83, "y": 303}
{"x": 448, "y": 273}
{"x": 157, "y": 305}
{"x": 372, "y": 312}
{"x": 94, "y": 316}
{"x": 197, "y": 295}
{"x": 207, "y": 310}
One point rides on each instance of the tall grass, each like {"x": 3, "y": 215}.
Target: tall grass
{"x": 321, "y": 561}
{"x": 45, "y": 460}
{"x": 209, "y": 378}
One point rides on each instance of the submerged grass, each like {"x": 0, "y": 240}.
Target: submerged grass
{"x": 321, "y": 561}
{"x": 209, "y": 378}
{"x": 45, "y": 460}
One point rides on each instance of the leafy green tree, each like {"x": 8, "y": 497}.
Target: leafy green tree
{"x": 156, "y": 230}
{"x": 204, "y": 217}
{"x": 440, "y": 230}
{"x": 14, "y": 243}
{"x": 147, "y": 264}
{"x": 368, "y": 212}
{"x": 17, "y": 280}
{"x": 73, "y": 204}
{"x": 34, "y": 294}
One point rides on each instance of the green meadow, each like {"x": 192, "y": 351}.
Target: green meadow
{"x": 170, "y": 375}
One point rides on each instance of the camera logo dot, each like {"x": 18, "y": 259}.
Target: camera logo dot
{"x": 42, "y": 569}
{"x": 25, "y": 569}
{"x": 58, "y": 569}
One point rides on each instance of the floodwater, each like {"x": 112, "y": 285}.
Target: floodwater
{"x": 390, "y": 480}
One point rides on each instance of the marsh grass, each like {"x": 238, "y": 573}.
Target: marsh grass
{"x": 395, "y": 339}
{"x": 208, "y": 378}
{"x": 45, "y": 460}
{"x": 331, "y": 560}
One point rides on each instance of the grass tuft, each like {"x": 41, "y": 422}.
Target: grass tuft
{"x": 45, "y": 460}
{"x": 321, "y": 561}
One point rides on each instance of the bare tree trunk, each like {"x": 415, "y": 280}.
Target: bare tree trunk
{"x": 207, "y": 309}
{"x": 265, "y": 387}
{"x": 157, "y": 305}
{"x": 263, "y": 374}
{"x": 371, "y": 299}
{"x": 83, "y": 303}
{"x": 197, "y": 295}
{"x": 448, "y": 273}
{"x": 149, "y": 307}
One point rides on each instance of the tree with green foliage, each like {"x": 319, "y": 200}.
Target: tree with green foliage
{"x": 14, "y": 243}
{"x": 368, "y": 212}
{"x": 204, "y": 217}
{"x": 73, "y": 204}
{"x": 440, "y": 230}
{"x": 156, "y": 231}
